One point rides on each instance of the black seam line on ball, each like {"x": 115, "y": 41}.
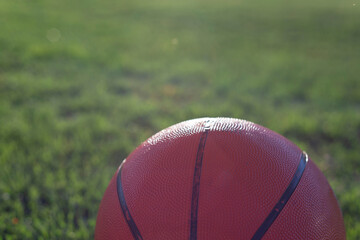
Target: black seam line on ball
{"x": 196, "y": 184}
{"x": 283, "y": 200}
{"x": 129, "y": 219}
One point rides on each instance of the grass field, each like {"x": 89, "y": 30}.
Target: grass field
{"x": 82, "y": 83}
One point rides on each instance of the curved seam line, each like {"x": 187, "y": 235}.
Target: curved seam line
{"x": 196, "y": 183}
{"x": 283, "y": 199}
{"x": 125, "y": 210}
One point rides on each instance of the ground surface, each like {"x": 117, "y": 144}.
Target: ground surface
{"x": 82, "y": 83}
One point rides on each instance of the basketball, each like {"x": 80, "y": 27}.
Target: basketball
{"x": 218, "y": 178}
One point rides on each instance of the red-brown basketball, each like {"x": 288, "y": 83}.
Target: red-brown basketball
{"x": 218, "y": 178}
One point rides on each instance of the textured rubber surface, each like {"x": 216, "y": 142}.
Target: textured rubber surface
{"x": 110, "y": 223}
{"x": 311, "y": 213}
{"x": 270, "y": 219}
{"x": 245, "y": 169}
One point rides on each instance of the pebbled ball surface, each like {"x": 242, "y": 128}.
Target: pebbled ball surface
{"x": 245, "y": 170}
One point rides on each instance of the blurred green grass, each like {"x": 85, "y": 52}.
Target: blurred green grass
{"x": 82, "y": 83}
